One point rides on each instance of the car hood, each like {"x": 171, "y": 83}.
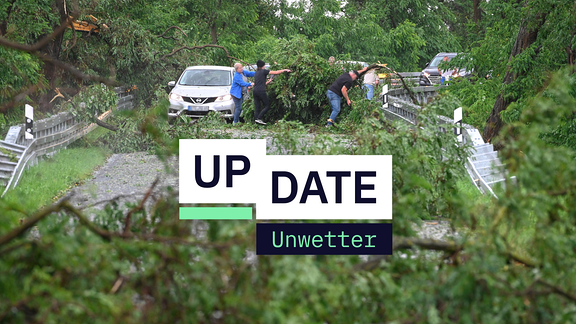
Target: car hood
{"x": 198, "y": 91}
{"x": 431, "y": 71}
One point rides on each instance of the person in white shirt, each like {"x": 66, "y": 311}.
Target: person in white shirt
{"x": 371, "y": 81}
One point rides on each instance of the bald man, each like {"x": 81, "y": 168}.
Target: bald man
{"x": 236, "y": 89}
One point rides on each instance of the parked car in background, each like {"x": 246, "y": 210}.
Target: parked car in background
{"x": 432, "y": 74}
{"x": 201, "y": 89}
{"x": 253, "y": 67}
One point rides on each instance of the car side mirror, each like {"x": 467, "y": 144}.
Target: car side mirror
{"x": 172, "y": 83}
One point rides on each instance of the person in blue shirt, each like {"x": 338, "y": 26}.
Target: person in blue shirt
{"x": 236, "y": 89}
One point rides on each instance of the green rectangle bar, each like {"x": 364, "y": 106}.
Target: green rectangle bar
{"x": 216, "y": 213}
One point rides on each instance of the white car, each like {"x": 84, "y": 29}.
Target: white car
{"x": 201, "y": 89}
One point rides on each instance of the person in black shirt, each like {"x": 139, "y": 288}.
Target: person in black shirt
{"x": 339, "y": 89}
{"x": 259, "y": 92}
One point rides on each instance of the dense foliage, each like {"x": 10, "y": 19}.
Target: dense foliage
{"x": 513, "y": 260}
{"x": 510, "y": 263}
{"x": 301, "y": 94}
{"x": 91, "y": 102}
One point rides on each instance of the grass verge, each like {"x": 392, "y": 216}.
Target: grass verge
{"x": 40, "y": 185}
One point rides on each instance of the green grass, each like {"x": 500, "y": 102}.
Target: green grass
{"x": 93, "y": 135}
{"x": 40, "y": 185}
{"x": 519, "y": 236}
{"x": 472, "y": 193}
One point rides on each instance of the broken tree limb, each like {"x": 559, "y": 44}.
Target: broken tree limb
{"x": 450, "y": 247}
{"x": 172, "y": 37}
{"x": 41, "y": 43}
{"x": 106, "y": 125}
{"x": 75, "y": 72}
{"x": 383, "y": 66}
{"x": 138, "y": 208}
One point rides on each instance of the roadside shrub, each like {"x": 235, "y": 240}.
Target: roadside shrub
{"x": 301, "y": 94}
{"x": 129, "y": 137}
{"x": 91, "y": 101}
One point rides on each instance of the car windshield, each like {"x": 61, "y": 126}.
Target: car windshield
{"x": 206, "y": 78}
{"x": 437, "y": 60}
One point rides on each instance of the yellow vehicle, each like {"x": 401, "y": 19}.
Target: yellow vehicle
{"x": 85, "y": 26}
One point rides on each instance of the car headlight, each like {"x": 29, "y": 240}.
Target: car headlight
{"x": 224, "y": 98}
{"x": 426, "y": 74}
{"x": 176, "y": 97}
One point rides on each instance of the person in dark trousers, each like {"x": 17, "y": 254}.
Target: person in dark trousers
{"x": 259, "y": 92}
{"x": 339, "y": 89}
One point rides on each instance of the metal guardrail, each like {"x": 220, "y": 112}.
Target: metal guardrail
{"x": 124, "y": 99}
{"x": 410, "y": 77}
{"x": 413, "y": 78}
{"x": 423, "y": 94}
{"x": 484, "y": 166}
{"x": 50, "y": 135}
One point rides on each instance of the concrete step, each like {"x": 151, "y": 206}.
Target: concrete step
{"x": 12, "y": 146}
{"x": 482, "y": 149}
{"x": 491, "y": 169}
{"x": 493, "y": 183}
{"x": 4, "y": 175}
{"x": 4, "y": 164}
{"x": 486, "y": 163}
{"x": 485, "y": 156}
{"x": 6, "y": 170}
{"x": 495, "y": 177}
{"x": 5, "y": 158}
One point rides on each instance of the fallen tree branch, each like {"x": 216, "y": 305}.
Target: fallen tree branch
{"x": 31, "y": 221}
{"x": 414, "y": 101}
{"x": 139, "y": 207}
{"x": 75, "y": 72}
{"x": 117, "y": 285}
{"x": 180, "y": 29}
{"x": 383, "y": 66}
{"x": 58, "y": 95}
{"x": 41, "y": 43}
{"x": 106, "y": 125}
{"x": 64, "y": 205}
{"x": 558, "y": 290}
{"x": 33, "y": 49}
{"x": 403, "y": 243}
{"x": 115, "y": 198}
{"x": 520, "y": 259}
{"x": 67, "y": 50}
{"x": 108, "y": 236}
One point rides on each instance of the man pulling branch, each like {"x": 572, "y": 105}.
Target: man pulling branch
{"x": 340, "y": 89}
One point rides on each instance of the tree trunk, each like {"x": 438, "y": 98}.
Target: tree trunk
{"x": 4, "y": 24}
{"x": 525, "y": 37}
{"x": 52, "y": 50}
{"x": 477, "y": 12}
{"x": 214, "y": 34}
